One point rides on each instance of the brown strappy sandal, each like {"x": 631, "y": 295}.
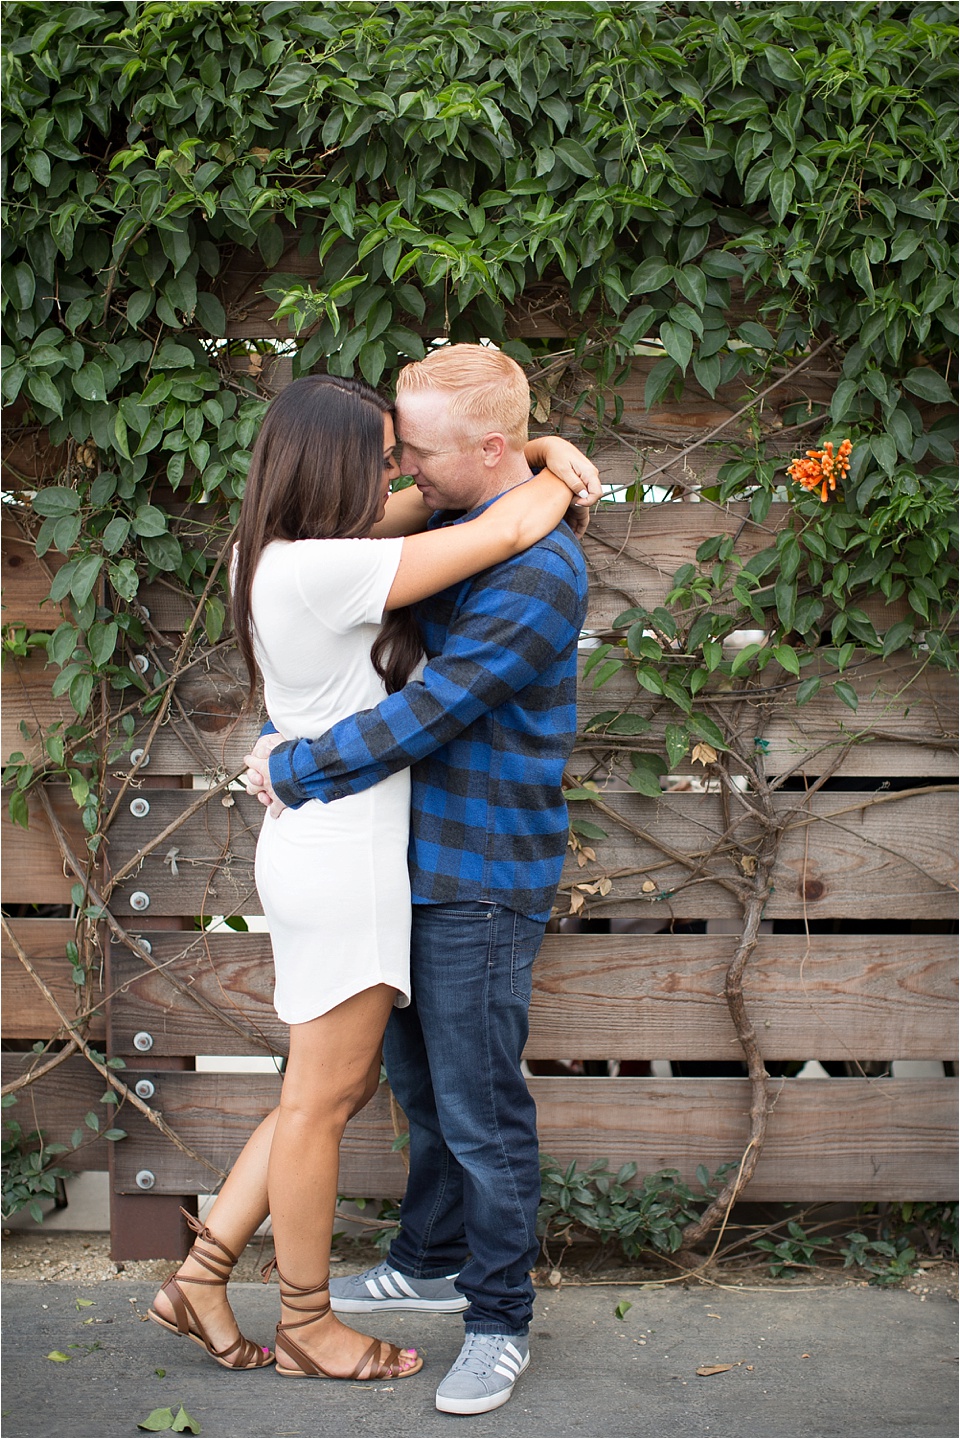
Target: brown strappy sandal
{"x": 242, "y": 1353}
{"x": 390, "y": 1368}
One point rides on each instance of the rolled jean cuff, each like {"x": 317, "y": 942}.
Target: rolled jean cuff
{"x": 491, "y": 1327}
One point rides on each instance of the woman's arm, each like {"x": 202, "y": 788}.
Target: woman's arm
{"x": 515, "y": 521}
{"x": 406, "y": 513}
{"x": 568, "y": 463}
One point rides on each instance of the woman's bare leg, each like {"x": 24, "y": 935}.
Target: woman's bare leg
{"x": 332, "y": 1072}
{"x": 237, "y": 1213}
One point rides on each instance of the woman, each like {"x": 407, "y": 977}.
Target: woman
{"x": 322, "y": 552}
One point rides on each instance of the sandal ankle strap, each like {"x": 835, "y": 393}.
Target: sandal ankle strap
{"x": 290, "y": 1291}
{"x": 220, "y": 1265}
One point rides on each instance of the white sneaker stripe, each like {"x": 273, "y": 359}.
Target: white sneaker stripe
{"x": 505, "y": 1359}
{"x": 499, "y": 1369}
{"x": 402, "y": 1285}
{"x": 388, "y": 1287}
{"x": 371, "y": 1285}
{"x": 515, "y": 1352}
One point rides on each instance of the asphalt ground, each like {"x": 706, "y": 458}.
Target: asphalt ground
{"x": 819, "y": 1361}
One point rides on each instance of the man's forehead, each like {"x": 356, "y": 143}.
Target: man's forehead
{"x": 423, "y": 414}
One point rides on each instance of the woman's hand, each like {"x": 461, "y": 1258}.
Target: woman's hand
{"x": 256, "y": 780}
{"x": 568, "y": 464}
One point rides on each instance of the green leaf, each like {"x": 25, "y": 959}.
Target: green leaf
{"x": 622, "y": 1308}
{"x": 658, "y": 382}
{"x": 149, "y": 520}
{"x": 786, "y": 656}
{"x": 42, "y": 389}
{"x": 102, "y": 641}
{"x": 595, "y": 657}
{"x": 575, "y": 157}
{"x": 896, "y": 637}
{"x": 58, "y": 1356}
{"x": 928, "y": 385}
{"x": 677, "y": 742}
{"x": 677, "y": 340}
{"x": 89, "y": 382}
{"x": 846, "y": 693}
{"x": 884, "y": 450}
{"x": 139, "y": 306}
{"x": 705, "y": 729}
{"x": 163, "y": 551}
{"x": 157, "y": 1419}
{"x": 39, "y": 166}
{"x": 636, "y": 324}
{"x": 645, "y": 782}
{"x": 782, "y": 63}
{"x": 57, "y": 500}
{"x": 651, "y": 275}
{"x": 781, "y": 191}
{"x": 807, "y": 689}
{"x": 785, "y": 593}
{"x": 613, "y": 723}
{"x": 86, "y": 572}
{"x": 183, "y": 1422}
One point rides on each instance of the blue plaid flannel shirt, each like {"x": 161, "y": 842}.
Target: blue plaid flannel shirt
{"x": 486, "y": 732}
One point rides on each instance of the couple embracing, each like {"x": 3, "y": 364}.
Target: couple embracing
{"x": 418, "y": 656}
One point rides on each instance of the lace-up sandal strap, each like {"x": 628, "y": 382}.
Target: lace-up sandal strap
{"x": 241, "y": 1354}
{"x": 389, "y": 1368}
{"x": 289, "y": 1292}
{"x": 220, "y": 1264}
{"x": 311, "y": 1311}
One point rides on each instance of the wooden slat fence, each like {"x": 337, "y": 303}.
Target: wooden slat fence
{"x": 858, "y": 963}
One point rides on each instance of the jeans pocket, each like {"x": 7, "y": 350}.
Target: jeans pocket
{"x": 527, "y": 936}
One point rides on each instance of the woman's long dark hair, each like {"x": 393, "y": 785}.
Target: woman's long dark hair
{"x": 316, "y": 472}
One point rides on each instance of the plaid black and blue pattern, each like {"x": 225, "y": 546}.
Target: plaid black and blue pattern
{"x": 486, "y": 732}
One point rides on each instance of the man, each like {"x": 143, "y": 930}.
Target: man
{"x": 486, "y": 732}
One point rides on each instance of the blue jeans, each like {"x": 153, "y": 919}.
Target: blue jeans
{"x": 453, "y": 1062}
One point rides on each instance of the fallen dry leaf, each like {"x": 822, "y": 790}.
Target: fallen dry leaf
{"x": 714, "y": 1368}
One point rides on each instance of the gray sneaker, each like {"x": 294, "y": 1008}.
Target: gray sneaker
{"x": 384, "y": 1287}
{"x": 483, "y": 1377}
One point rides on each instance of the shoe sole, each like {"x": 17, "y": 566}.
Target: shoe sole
{"x": 482, "y": 1405}
{"x": 422, "y": 1306}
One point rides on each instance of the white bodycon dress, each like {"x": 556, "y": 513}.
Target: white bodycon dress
{"x": 332, "y": 877}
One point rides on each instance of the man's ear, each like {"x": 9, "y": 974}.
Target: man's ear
{"x": 492, "y": 449}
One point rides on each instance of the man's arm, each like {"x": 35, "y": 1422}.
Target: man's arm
{"x": 509, "y": 630}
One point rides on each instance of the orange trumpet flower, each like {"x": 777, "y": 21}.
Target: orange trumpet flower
{"x": 822, "y": 468}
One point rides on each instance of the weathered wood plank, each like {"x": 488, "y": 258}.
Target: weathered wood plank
{"x": 633, "y": 552}
{"x": 598, "y": 995}
{"x": 26, "y": 580}
{"x": 33, "y": 871}
{"x": 25, "y": 698}
{"x": 26, "y": 1014}
{"x": 906, "y": 722}
{"x": 840, "y": 1139}
{"x": 844, "y": 854}
{"x": 57, "y": 1105}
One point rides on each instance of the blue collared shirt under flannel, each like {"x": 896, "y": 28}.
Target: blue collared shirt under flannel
{"x": 486, "y": 732}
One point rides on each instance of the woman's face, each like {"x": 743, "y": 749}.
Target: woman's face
{"x": 391, "y": 470}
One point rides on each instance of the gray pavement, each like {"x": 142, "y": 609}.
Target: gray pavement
{"x": 814, "y": 1362}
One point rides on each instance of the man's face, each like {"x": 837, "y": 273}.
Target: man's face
{"x": 445, "y": 462}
